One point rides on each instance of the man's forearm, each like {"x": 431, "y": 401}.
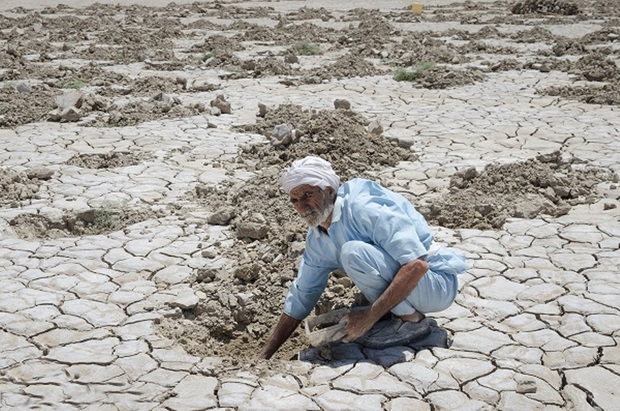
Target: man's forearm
{"x": 285, "y": 327}
{"x": 401, "y": 286}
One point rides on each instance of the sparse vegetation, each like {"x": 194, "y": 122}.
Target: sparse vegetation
{"x": 307, "y": 48}
{"x": 403, "y": 74}
{"x": 76, "y": 84}
{"x": 105, "y": 218}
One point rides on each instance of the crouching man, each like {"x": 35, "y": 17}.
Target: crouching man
{"x": 380, "y": 241}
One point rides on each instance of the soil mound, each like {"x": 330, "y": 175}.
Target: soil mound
{"x": 544, "y": 185}
{"x": 107, "y": 160}
{"x": 19, "y": 186}
{"x": 89, "y": 222}
{"x": 546, "y": 7}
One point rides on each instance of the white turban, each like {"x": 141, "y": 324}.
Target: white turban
{"x": 310, "y": 170}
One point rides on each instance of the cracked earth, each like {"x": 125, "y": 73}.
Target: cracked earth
{"x": 145, "y": 247}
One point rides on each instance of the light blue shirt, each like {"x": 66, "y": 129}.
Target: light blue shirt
{"x": 363, "y": 211}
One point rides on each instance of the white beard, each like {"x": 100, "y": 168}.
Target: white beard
{"x": 319, "y": 215}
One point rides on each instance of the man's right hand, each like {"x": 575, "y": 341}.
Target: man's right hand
{"x": 285, "y": 327}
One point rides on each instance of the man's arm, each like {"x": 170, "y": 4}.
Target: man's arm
{"x": 405, "y": 280}
{"x": 285, "y": 327}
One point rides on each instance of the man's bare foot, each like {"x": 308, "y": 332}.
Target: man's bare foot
{"x": 412, "y": 318}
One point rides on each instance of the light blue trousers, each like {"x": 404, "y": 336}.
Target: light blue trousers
{"x": 371, "y": 269}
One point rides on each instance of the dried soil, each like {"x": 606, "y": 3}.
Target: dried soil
{"x": 105, "y": 160}
{"x": 546, "y": 184}
{"x": 38, "y": 45}
{"x": 19, "y": 186}
{"x": 89, "y": 222}
{"x": 43, "y": 55}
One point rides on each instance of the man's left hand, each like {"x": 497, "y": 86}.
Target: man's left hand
{"x": 358, "y": 323}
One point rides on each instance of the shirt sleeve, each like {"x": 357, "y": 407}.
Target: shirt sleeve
{"x": 306, "y": 290}
{"x": 386, "y": 225}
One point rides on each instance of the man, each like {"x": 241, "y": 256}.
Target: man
{"x": 380, "y": 241}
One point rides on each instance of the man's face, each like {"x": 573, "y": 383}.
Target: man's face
{"x": 313, "y": 204}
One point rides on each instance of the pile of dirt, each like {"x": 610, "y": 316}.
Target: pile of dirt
{"x": 371, "y": 35}
{"x": 596, "y": 67}
{"x": 217, "y": 45}
{"x": 70, "y": 224}
{"x": 139, "y": 111}
{"x": 419, "y": 48}
{"x": 23, "y": 104}
{"x": 285, "y": 33}
{"x": 441, "y": 77}
{"x": 607, "y": 94}
{"x": 544, "y": 185}
{"x": 20, "y": 186}
{"x": 349, "y": 65}
{"x": 308, "y": 13}
{"x": 105, "y": 160}
{"x": 546, "y": 7}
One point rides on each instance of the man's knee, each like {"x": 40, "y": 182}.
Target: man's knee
{"x": 353, "y": 255}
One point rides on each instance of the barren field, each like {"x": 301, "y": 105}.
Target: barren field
{"x": 184, "y": 116}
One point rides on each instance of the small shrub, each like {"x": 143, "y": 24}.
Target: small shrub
{"x": 104, "y": 218}
{"x": 76, "y": 84}
{"x": 403, "y": 74}
{"x": 307, "y": 48}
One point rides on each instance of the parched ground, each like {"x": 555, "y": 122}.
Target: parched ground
{"x": 146, "y": 247}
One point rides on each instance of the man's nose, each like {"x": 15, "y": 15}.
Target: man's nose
{"x": 301, "y": 205}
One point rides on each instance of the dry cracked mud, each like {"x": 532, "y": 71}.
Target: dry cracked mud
{"x": 71, "y": 65}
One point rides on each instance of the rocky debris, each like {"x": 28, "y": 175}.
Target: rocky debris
{"x": 441, "y": 77}
{"x": 87, "y": 222}
{"x": 39, "y": 173}
{"x": 544, "y": 185}
{"x": 349, "y": 65}
{"x": 102, "y": 40}
{"x": 19, "y": 186}
{"x": 566, "y": 8}
{"x": 21, "y": 108}
{"x": 371, "y": 37}
{"x": 221, "y": 104}
{"x": 602, "y": 36}
{"x": 598, "y": 67}
{"x": 285, "y": 33}
{"x": 217, "y": 45}
{"x": 73, "y": 105}
{"x": 564, "y": 46}
{"x": 342, "y": 104}
{"x": 595, "y": 67}
{"x": 608, "y": 94}
{"x": 105, "y": 160}
{"x": 309, "y": 13}
{"x": 282, "y": 134}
